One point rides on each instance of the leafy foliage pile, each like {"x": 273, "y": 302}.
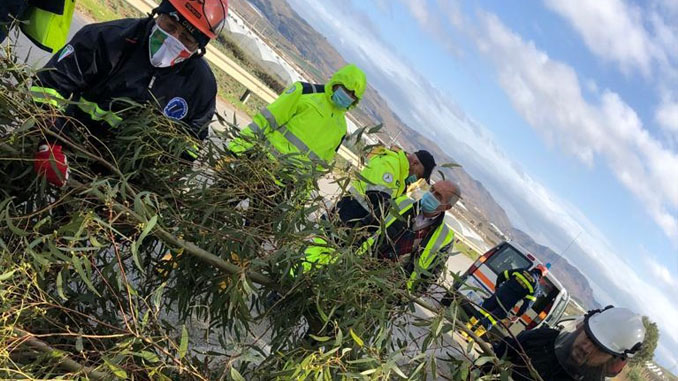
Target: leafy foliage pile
{"x": 104, "y": 278}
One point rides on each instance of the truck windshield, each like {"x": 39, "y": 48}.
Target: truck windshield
{"x": 507, "y": 258}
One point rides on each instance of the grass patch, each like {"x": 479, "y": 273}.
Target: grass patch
{"x": 107, "y": 10}
{"x": 466, "y": 250}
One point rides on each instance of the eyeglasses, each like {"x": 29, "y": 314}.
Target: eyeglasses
{"x": 171, "y": 25}
{"x": 451, "y": 201}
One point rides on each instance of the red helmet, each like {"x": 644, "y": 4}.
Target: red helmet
{"x": 542, "y": 268}
{"x": 208, "y": 16}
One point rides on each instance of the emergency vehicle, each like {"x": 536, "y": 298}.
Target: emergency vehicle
{"x": 477, "y": 284}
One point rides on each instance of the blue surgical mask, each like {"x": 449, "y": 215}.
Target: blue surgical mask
{"x": 342, "y": 98}
{"x": 429, "y": 202}
{"x": 411, "y": 179}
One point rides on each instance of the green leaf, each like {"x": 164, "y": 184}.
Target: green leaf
{"x": 319, "y": 338}
{"x": 148, "y": 356}
{"x": 117, "y": 371}
{"x": 77, "y": 264}
{"x": 148, "y": 226}
{"x": 437, "y": 326}
{"x": 356, "y": 338}
{"x": 157, "y": 295}
{"x": 398, "y": 371}
{"x": 6, "y": 275}
{"x": 235, "y": 375}
{"x": 450, "y": 165}
{"x": 483, "y": 360}
{"x": 504, "y": 376}
{"x": 463, "y": 372}
{"x": 12, "y": 228}
{"x": 183, "y": 343}
{"x": 60, "y": 286}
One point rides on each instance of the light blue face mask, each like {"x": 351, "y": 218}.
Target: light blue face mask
{"x": 342, "y": 98}
{"x": 429, "y": 202}
{"x": 411, "y": 179}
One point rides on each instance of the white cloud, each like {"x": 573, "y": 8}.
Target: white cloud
{"x": 667, "y": 116}
{"x": 611, "y": 29}
{"x": 663, "y": 273}
{"x": 548, "y": 96}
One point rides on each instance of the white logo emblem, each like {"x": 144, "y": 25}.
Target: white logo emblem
{"x": 388, "y": 178}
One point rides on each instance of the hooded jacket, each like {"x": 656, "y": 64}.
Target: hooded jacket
{"x": 106, "y": 65}
{"x": 304, "y": 119}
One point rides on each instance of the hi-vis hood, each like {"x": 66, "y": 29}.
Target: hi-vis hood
{"x": 352, "y": 78}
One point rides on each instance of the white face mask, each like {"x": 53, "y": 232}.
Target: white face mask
{"x": 164, "y": 50}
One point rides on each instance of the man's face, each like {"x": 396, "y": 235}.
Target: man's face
{"x": 176, "y": 30}
{"x": 416, "y": 167}
{"x": 585, "y": 352}
{"x": 446, "y": 193}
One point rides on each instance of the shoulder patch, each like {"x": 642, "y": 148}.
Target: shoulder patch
{"x": 291, "y": 89}
{"x": 387, "y": 177}
{"x": 65, "y": 52}
{"x": 176, "y": 108}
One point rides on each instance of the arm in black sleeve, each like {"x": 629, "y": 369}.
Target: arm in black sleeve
{"x": 200, "y": 120}
{"x": 78, "y": 65}
{"x": 380, "y": 203}
{"x": 502, "y": 277}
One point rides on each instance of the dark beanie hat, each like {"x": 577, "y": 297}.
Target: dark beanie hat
{"x": 427, "y": 160}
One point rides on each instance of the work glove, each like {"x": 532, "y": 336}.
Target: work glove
{"x": 51, "y": 163}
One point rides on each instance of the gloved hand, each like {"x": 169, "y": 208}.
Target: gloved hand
{"x": 51, "y": 163}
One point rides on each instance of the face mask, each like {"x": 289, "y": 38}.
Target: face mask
{"x": 429, "y": 203}
{"x": 164, "y": 50}
{"x": 411, "y": 179}
{"x": 341, "y": 98}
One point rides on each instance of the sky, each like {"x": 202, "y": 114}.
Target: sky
{"x": 566, "y": 110}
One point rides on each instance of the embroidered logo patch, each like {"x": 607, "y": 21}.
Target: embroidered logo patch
{"x": 65, "y": 52}
{"x": 176, "y": 108}
{"x": 291, "y": 89}
{"x": 388, "y": 177}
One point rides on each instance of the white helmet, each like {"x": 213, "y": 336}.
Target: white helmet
{"x": 618, "y": 331}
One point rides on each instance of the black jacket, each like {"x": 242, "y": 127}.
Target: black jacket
{"x": 539, "y": 348}
{"x": 110, "y": 60}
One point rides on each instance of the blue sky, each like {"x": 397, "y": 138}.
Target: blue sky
{"x": 567, "y": 111}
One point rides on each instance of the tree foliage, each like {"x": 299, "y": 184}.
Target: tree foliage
{"x": 110, "y": 276}
{"x": 649, "y": 344}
